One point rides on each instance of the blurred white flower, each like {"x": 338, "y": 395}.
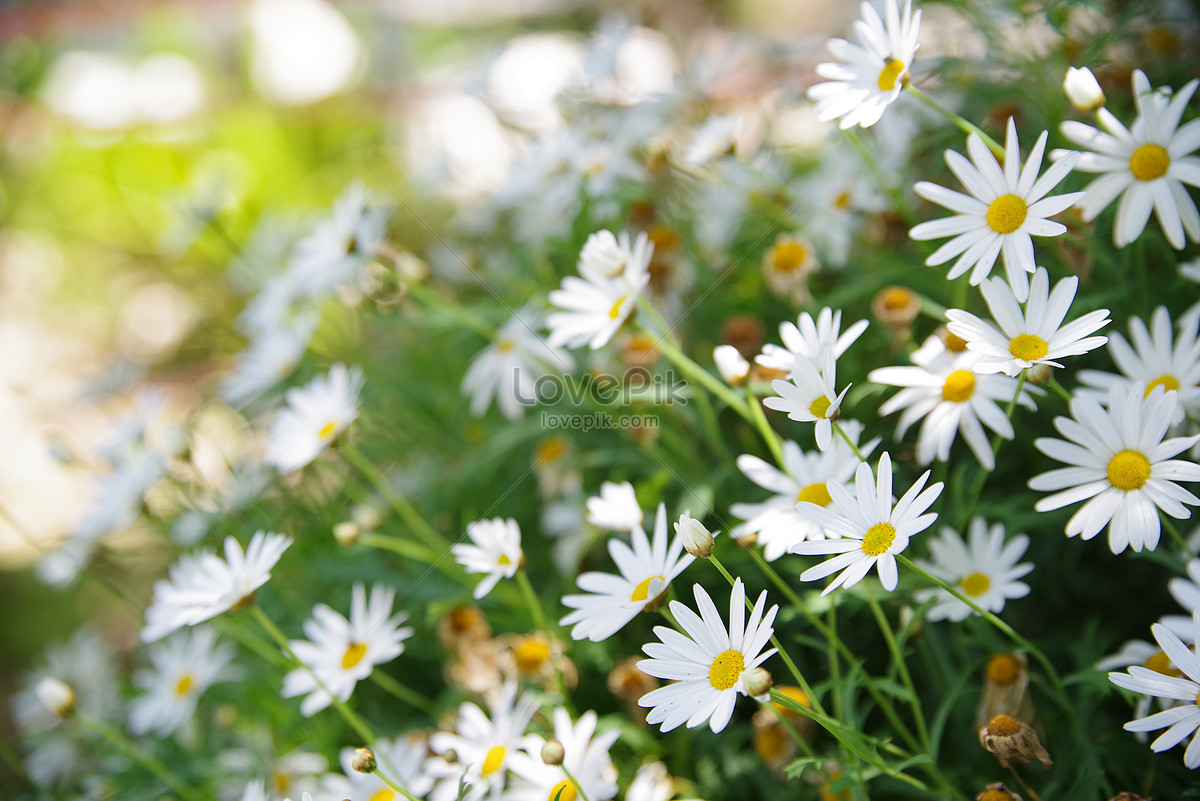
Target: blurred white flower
{"x": 183, "y": 667}
{"x": 316, "y": 413}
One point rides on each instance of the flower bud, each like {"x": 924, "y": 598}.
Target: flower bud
{"x": 1083, "y": 90}
{"x": 364, "y": 760}
{"x": 697, "y": 540}
{"x": 346, "y": 533}
{"x": 758, "y": 684}
{"x": 57, "y": 696}
{"x": 552, "y": 752}
{"x": 732, "y": 366}
{"x": 1039, "y": 374}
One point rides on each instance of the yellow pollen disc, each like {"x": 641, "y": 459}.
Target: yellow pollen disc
{"x": 503, "y": 346}
{"x": 726, "y": 669}
{"x": 976, "y": 584}
{"x": 1003, "y": 669}
{"x": 615, "y": 311}
{"x": 995, "y": 795}
{"x": 959, "y": 386}
{"x": 493, "y": 760}
{"x": 282, "y": 781}
{"x": 842, "y": 202}
{"x": 794, "y": 693}
{"x": 504, "y": 560}
{"x": 1161, "y": 663}
{"x": 878, "y": 539}
{"x": 1006, "y": 213}
{"x": 1149, "y": 161}
{"x": 183, "y": 685}
{"x": 1003, "y": 726}
{"x": 563, "y": 791}
{"x": 328, "y": 430}
{"x": 955, "y": 344}
{"x": 891, "y": 72}
{"x": 1128, "y": 470}
{"x": 820, "y": 407}
{"x": 1167, "y": 382}
{"x": 771, "y": 742}
{"x": 531, "y": 654}
{"x": 815, "y": 493}
{"x": 896, "y": 298}
{"x": 550, "y": 450}
{"x": 385, "y": 794}
{"x": 1028, "y": 347}
{"x": 354, "y": 654}
{"x": 787, "y": 257}
{"x": 642, "y": 591}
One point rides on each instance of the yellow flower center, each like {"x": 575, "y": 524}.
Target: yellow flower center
{"x": 959, "y": 386}
{"x": 1003, "y": 669}
{"x": 503, "y": 346}
{"x": 1167, "y": 382}
{"x": 725, "y": 669}
{"x": 891, "y": 72}
{"x": 184, "y": 684}
{"x": 550, "y": 450}
{"x": 1149, "y": 161}
{"x": 896, "y": 298}
{"x": 1003, "y": 726}
{"x": 772, "y": 742}
{"x": 328, "y": 430}
{"x": 1028, "y": 347}
{"x": 995, "y": 795}
{"x": 794, "y": 693}
{"x": 954, "y": 343}
{"x": 503, "y": 560}
{"x": 1161, "y": 663}
{"x": 842, "y": 202}
{"x": 1128, "y": 470}
{"x": 1006, "y": 213}
{"x": 563, "y": 791}
{"x": 878, "y": 539}
{"x": 787, "y": 257}
{"x": 531, "y": 654}
{"x": 976, "y": 584}
{"x": 815, "y": 493}
{"x": 493, "y": 760}
{"x": 642, "y": 591}
{"x": 615, "y": 311}
{"x": 385, "y": 794}
{"x": 281, "y": 781}
{"x": 820, "y": 407}
{"x": 354, "y": 654}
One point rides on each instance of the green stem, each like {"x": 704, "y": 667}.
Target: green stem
{"x": 964, "y": 124}
{"x": 459, "y": 312}
{"x": 398, "y": 502}
{"x": 881, "y": 177}
{"x": 841, "y": 432}
{"x": 531, "y": 600}
{"x": 148, "y": 761}
{"x": 402, "y": 547}
{"x": 410, "y": 697}
{"x": 773, "y": 440}
{"x": 384, "y": 778}
{"x": 1059, "y": 390}
{"x": 902, "y": 669}
{"x": 575, "y": 782}
{"x": 969, "y": 507}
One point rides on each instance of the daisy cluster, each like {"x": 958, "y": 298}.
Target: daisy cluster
{"x": 788, "y": 412}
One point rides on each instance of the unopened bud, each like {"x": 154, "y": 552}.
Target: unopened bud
{"x": 450, "y": 755}
{"x": 364, "y": 760}
{"x": 732, "y": 366}
{"x": 57, "y": 696}
{"x": 1083, "y": 90}
{"x": 346, "y": 533}
{"x": 697, "y": 540}
{"x": 758, "y": 683}
{"x": 366, "y": 516}
{"x": 552, "y": 752}
{"x": 1039, "y": 374}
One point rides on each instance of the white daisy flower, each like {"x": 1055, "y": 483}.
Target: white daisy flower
{"x": 1119, "y": 460}
{"x": 810, "y": 396}
{"x": 615, "y": 508}
{"x": 946, "y": 390}
{"x": 86, "y": 664}
{"x": 1146, "y": 164}
{"x": 775, "y": 522}
{"x": 268, "y": 359}
{"x": 870, "y": 74}
{"x": 183, "y": 667}
{"x": 483, "y": 746}
{"x": 1031, "y": 336}
{"x": 871, "y": 530}
{"x": 1157, "y": 358}
{"x": 705, "y": 667}
{"x": 337, "y": 250}
{"x": 1180, "y": 720}
{"x": 986, "y": 570}
{"x": 651, "y": 783}
{"x": 645, "y": 572}
{"x": 1007, "y": 206}
{"x": 786, "y": 266}
{"x": 509, "y": 368}
{"x": 1191, "y": 271}
{"x": 1149, "y": 656}
{"x": 286, "y": 776}
{"x": 593, "y": 307}
{"x": 339, "y": 653}
{"x": 495, "y": 550}
{"x": 401, "y": 759}
{"x": 810, "y": 340}
{"x": 585, "y": 757}
{"x": 316, "y": 413}
{"x": 201, "y": 586}
{"x": 714, "y": 138}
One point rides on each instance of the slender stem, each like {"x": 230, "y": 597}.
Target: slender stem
{"x": 384, "y": 778}
{"x": 963, "y": 123}
{"x": 839, "y": 706}
{"x": 774, "y": 443}
{"x": 575, "y": 782}
{"x": 531, "y": 600}
{"x": 402, "y": 547}
{"x": 459, "y": 312}
{"x": 881, "y": 177}
{"x": 1024, "y": 784}
{"x": 1059, "y": 390}
{"x": 398, "y": 502}
{"x": 410, "y": 697}
{"x": 1173, "y": 532}
{"x": 842, "y": 432}
{"x": 148, "y": 761}
{"x": 902, "y": 669}
{"x": 969, "y": 507}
